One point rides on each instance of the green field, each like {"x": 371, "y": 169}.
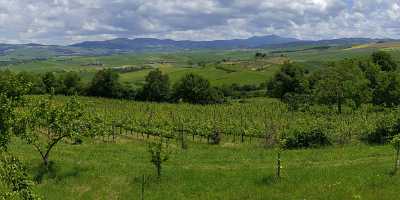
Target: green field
{"x": 220, "y": 67}
{"x": 229, "y": 171}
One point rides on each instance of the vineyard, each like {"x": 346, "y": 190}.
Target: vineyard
{"x": 237, "y": 122}
{"x": 112, "y": 163}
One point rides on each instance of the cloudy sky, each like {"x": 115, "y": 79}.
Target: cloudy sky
{"x": 71, "y": 21}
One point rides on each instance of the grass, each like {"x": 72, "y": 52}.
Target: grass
{"x": 229, "y": 171}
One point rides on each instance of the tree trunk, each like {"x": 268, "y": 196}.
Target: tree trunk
{"x": 159, "y": 170}
{"x": 278, "y": 170}
{"x": 339, "y": 104}
{"x": 397, "y": 163}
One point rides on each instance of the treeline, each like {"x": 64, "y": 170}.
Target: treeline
{"x": 349, "y": 82}
{"x": 191, "y": 88}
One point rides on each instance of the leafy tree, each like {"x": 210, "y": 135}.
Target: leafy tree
{"x": 341, "y": 82}
{"x": 159, "y": 155}
{"x": 14, "y": 182}
{"x": 157, "y": 87}
{"x": 197, "y": 90}
{"x": 12, "y": 86}
{"x": 105, "y": 84}
{"x": 50, "y": 81}
{"x": 291, "y": 79}
{"x": 387, "y": 89}
{"x": 14, "y": 179}
{"x": 371, "y": 71}
{"x": 384, "y": 60}
{"x": 396, "y": 145}
{"x": 72, "y": 83}
{"x": 6, "y": 120}
{"x": 56, "y": 122}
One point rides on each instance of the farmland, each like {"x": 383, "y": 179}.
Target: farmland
{"x": 266, "y": 147}
{"x": 220, "y": 67}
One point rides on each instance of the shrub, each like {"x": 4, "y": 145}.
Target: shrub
{"x": 215, "y": 137}
{"x": 386, "y": 129}
{"x": 313, "y": 138}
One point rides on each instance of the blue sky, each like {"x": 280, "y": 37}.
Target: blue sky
{"x": 71, "y": 21}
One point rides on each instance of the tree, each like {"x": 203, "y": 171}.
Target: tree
{"x": 157, "y": 87}
{"x": 7, "y": 113}
{"x": 197, "y": 90}
{"x": 159, "y": 155}
{"x": 14, "y": 182}
{"x": 384, "y": 60}
{"x": 387, "y": 89}
{"x": 341, "y": 82}
{"x": 50, "y": 81}
{"x": 12, "y": 86}
{"x": 48, "y": 122}
{"x": 105, "y": 84}
{"x": 371, "y": 71}
{"x": 396, "y": 145}
{"x": 37, "y": 85}
{"x": 71, "y": 83}
{"x": 14, "y": 179}
{"x": 291, "y": 79}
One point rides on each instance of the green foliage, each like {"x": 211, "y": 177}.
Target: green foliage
{"x": 13, "y": 86}
{"x": 387, "y": 90}
{"x": 386, "y": 128}
{"x": 291, "y": 79}
{"x": 159, "y": 154}
{"x": 197, "y": 90}
{"x": 384, "y": 60}
{"x": 156, "y": 87}
{"x": 6, "y": 120}
{"x": 46, "y": 123}
{"x": 71, "y": 83}
{"x": 105, "y": 84}
{"x": 396, "y": 142}
{"x": 311, "y": 138}
{"x": 34, "y": 80}
{"x": 341, "y": 82}
{"x": 396, "y": 145}
{"x": 14, "y": 181}
{"x": 50, "y": 81}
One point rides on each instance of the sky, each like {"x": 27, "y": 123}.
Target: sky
{"x": 72, "y": 21}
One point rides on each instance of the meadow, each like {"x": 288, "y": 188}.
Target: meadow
{"x": 96, "y": 170}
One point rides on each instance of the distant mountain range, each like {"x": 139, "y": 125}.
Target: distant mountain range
{"x": 143, "y": 44}
{"x": 270, "y": 41}
{"x": 123, "y": 45}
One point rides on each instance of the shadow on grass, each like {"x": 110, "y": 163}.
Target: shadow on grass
{"x": 148, "y": 179}
{"x": 270, "y": 180}
{"x": 53, "y": 171}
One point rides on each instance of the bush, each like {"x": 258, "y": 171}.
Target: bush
{"x": 386, "y": 129}
{"x": 215, "y": 137}
{"x": 316, "y": 137}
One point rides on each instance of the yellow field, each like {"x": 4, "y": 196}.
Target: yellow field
{"x": 384, "y": 46}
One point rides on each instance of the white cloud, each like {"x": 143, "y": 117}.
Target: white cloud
{"x": 70, "y": 21}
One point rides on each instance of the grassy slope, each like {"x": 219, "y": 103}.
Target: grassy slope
{"x": 229, "y": 171}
